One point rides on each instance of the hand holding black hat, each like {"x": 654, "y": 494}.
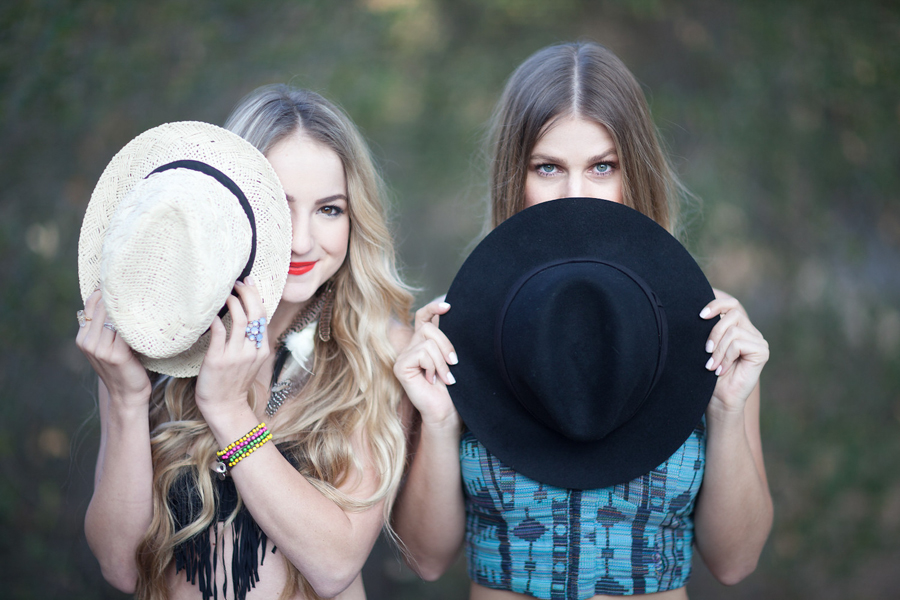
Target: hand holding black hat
{"x": 738, "y": 352}
{"x": 423, "y": 371}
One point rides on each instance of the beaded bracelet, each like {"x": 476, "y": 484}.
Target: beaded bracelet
{"x": 240, "y": 449}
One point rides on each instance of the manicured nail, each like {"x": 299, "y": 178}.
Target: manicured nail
{"x": 710, "y": 346}
{"x": 238, "y": 284}
{"x": 444, "y": 305}
{"x": 704, "y": 313}
{"x": 249, "y": 280}
{"x": 709, "y": 364}
{"x": 451, "y": 378}
{"x": 453, "y": 359}
{"x": 719, "y": 371}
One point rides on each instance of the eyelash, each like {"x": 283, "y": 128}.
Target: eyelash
{"x": 611, "y": 164}
{"x": 337, "y": 210}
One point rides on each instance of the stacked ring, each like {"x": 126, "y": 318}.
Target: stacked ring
{"x": 110, "y": 326}
{"x": 255, "y": 330}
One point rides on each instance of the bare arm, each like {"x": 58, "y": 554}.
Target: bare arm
{"x": 429, "y": 516}
{"x": 121, "y": 507}
{"x": 734, "y": 509}
{"x": 326, "y": 543}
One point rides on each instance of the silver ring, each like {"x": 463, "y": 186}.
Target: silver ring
{"x": 109, "y": 326}
{"x": 255, "y": 330}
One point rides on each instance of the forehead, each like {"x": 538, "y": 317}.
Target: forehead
{"x": 306, "y": 166}
{"x": 572, "y": 133}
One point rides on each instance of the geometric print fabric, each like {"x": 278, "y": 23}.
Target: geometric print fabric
{"x": 549, "y": 542}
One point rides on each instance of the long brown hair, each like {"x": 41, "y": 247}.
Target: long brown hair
{"x": 353, "y": 388}
{"x": 586, "y": 80}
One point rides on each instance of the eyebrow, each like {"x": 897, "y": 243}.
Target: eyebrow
{"x": 594, "y": 159}
{"x": 324, "y": 200}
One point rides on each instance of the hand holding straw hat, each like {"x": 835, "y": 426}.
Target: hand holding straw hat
{"x": 180, "y": 213}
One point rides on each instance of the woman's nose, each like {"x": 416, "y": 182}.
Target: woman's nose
{"x": 574, "y": 187}
{"x": 303, "y": 238}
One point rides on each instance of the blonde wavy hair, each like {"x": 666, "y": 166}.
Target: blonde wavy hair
{"x": 586, "y": 80}
{"x": 353, "y": 388}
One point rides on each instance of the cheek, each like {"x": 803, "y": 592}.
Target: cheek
{"x": 535, "y": 193}
{"x": 337, "y": 239}
{"x": 616, "y": 194}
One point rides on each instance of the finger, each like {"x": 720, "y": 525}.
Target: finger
{"x": 726, "y": 322}
{"x": 721, "y": 306}
{"x": 238, "y": 338}
{"x": 256, "y": 329}
{"x": 85, "y": 327}
{"x": 428, "y": 313}
{"x": 431, "y": 333}
{"x": 250, "y": 298}
{"x": 738, "y": 343}
{"x": 438, "y": 362}
{"x": 217, "y": 337}
{"x": 105, "y": 327}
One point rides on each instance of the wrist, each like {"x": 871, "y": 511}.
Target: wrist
{"x": 447, "y": 426}
{"x": 129, "y": 405}
{"x": 229, "y": 426}
{"x": 724, "y": 414}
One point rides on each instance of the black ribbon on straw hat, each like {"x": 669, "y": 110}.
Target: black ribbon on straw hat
{"x": 180, "y": 213}
{"x": 231, "y": 186}
{"x": 581, "y": 349}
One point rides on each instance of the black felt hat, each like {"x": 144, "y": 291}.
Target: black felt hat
{"x": 581, "y": 349}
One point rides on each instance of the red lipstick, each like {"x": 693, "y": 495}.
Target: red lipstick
{"x": 299, "y": 268}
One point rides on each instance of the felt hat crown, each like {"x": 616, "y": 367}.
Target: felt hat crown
{"x": 180, "y": 213}
{"x": 581, "y": 350}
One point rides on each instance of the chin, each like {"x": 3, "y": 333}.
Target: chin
{"x": 298, "y": 293}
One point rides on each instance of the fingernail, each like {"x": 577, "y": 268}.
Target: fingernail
{"x": 238, "y": 284}
{"x": 249, "y": 280}
{"x": 710, "y": 346}
{"x": 704, "y": 313}
{"x": 453, "y": 359}
{"x": 709, "y": 364}
{"x": 444, "y": 305}
{"x": 719, "y": 371}
{"x": 451, "y": 378}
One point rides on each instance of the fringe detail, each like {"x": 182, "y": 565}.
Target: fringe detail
{"x": 198, "y": 556}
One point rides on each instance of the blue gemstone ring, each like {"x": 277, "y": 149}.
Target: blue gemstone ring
{"x": 255, "y": 330}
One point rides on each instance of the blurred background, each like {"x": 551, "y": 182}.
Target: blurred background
{"x": 782, "y": 118}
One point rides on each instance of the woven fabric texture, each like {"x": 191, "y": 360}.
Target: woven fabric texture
{"x": 550, "y": 542}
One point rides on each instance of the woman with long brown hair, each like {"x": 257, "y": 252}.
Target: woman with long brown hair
{"x": 597, "y": 435}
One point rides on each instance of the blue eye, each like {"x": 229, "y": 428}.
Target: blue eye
{"x": 546, "y": 169}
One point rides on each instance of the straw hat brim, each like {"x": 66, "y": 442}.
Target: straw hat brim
{"x": 237, "y": 159}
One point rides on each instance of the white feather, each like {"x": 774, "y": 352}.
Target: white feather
{"x": 301, "y": 344}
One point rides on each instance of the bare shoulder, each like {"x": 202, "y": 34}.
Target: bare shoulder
{"x": 399, "y": 334}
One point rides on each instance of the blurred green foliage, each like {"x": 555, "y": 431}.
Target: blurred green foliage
{"x": 782, "y": 118}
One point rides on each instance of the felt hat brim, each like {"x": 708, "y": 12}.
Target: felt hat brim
{"x": 577, "y": 228}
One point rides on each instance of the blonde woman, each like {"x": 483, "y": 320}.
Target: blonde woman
{"x": 573, "y": 144}
{"x": 174, "y": 517}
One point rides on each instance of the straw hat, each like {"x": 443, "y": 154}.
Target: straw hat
{"x": 166, "y": 242}
{"x": 581, "y": 349}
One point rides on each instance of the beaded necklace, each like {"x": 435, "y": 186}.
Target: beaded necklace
{"x": 319, "y": 309}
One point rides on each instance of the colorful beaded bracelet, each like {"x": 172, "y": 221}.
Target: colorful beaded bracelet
{"x": 248, "y": 440}
{"x": 240, "y": 449}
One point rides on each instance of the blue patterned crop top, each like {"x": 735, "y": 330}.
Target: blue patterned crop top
{"x": 549, "y": 542}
